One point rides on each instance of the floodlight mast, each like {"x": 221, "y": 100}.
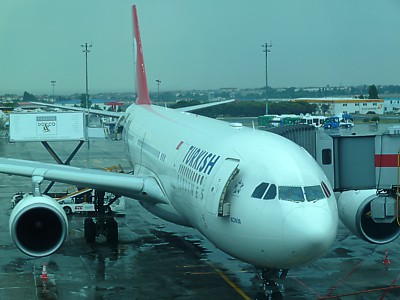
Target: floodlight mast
{"x": 266, "y": 47}
{"x": 86, "y": 51}
{"x": 53, "y": 83}
{"x": 158, "y": 89}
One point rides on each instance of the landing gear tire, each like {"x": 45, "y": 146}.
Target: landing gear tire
{"x": 112, "y": 231}
{"x": 90, "y": 230}
{"x": 273, "y": 296}
{"x": 276, "y": 296}
{"x": 261, "y": 296}
{"x": 271, "y": 290}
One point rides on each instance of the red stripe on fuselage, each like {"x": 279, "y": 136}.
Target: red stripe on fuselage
{"x": 387, "y": 160}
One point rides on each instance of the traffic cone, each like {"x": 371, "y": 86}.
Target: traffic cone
{"x": 44, "y": 276}
{"x": 386, "y": 260}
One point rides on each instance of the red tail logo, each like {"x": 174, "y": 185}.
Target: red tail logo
{"x": 141, "y": 81}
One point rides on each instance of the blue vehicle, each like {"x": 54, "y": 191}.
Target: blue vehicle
{"x": 343, "y": 120}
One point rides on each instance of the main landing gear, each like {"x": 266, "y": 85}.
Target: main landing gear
{"x": 104, "y": 223}
{"x": 271, "y": 290}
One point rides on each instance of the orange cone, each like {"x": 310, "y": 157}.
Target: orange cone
{"x": 386, "y": 260}
{"x": 44, "y": 276}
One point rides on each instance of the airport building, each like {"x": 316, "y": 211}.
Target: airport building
{"x": 334, "y": 106}
{"x": 392, "y": 105}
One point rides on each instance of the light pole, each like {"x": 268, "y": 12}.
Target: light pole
{"x": 266, "y": 50}
{"x": 53, "y": 83}
{"x": 158, "y": 89}
{"x": 86, "y": 51}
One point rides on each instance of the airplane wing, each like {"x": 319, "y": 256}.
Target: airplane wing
{"x": 200, "y": 106}
{"x": 145, "y": 189}
{"x": 105, "y": 113}
{"x": 118, "y": 114}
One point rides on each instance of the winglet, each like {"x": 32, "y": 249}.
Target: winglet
{"x": 141, "y": 81}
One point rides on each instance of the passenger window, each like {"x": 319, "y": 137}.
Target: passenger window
{"x": 290, "y": 193}
{"x": 314, "y": 193}
{"x": 260, "y": 190}
{"x": 271, "y": 193}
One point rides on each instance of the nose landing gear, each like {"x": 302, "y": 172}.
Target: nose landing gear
{"x": 271, "y": 290}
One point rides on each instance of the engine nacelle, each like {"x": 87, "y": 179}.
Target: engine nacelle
{"x": 368, "y": 215}
{"x": 38, "y": 225}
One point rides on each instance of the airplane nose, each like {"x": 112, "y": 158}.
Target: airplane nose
{"x": 309, "y": 232}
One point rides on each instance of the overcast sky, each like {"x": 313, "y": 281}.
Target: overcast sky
{"x": 191, "y": 44}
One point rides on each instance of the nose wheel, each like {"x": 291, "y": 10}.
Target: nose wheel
{"x": 272, "y": 296}
{"x": 271, "y": 290}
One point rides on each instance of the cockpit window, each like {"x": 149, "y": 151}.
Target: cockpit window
{"x": 260, "y": 190}
{"x": 268, "y": 191}
{"x": 314, "y": 192}
{"x": 291, "y": 193}
{"x": 271, "y": 193}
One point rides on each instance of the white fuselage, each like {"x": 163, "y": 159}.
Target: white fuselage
{"x": 204, "y": 165}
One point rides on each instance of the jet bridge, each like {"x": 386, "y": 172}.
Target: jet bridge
{"x": 363, "y": 167}
{"x": 352, "y": 159}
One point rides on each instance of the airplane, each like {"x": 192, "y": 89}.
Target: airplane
{"x": 255, "y": 195}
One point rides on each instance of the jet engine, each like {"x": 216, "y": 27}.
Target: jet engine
{"x": 38, "y": 225}
{"x": 369, "y": 215}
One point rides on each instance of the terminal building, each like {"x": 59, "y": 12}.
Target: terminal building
{"x": 392, "y": 105}
{"x": 334, "y": 106}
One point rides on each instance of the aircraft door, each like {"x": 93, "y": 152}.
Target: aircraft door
{"x": 216, "y": 199}
{"x": 125, "y": 135}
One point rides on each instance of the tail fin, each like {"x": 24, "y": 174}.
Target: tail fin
{"x": 141, "y": 81}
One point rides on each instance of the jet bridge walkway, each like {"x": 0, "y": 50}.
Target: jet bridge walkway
{"x": 352, "y": 159}
{"x": 364, "y": 167}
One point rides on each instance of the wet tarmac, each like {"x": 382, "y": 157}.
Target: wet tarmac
{"x": 158, "y": 260}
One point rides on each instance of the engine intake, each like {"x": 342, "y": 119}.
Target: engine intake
{"x": 368, "y": 215}
{"x": 38, "y": 225}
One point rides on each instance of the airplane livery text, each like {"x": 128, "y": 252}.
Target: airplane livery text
{"x": 200, "y": 160}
